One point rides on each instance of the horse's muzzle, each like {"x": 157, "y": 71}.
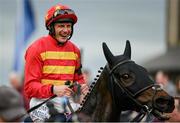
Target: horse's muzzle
{"x": 164, "y": 104}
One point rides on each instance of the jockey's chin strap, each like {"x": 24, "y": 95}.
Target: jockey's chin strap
{"x": 145, "y": 109}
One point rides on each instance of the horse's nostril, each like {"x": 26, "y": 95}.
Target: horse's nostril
{"x": 164, "y": 103}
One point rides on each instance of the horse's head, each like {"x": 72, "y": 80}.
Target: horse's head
{"x": 132, "y": 84}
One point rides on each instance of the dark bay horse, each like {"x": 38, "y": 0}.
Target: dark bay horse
{"x": 123, "y": 85}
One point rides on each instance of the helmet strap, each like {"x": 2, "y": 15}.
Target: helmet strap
{"x": 72, "y": 30}
{"x": 51, "y": 30}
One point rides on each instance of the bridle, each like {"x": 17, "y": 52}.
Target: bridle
{"x": 144, "y": 109}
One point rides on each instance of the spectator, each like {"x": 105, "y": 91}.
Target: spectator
{"x": 163, "y": 79}
{"x": 17, "y": 83}
{"x": 178, "y": 85}
{"x": 87, "y": 76}
{"x": 11, "y": 107}
{"x": 175, "y": 115}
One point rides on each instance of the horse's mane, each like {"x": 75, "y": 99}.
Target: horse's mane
{"x": 91, "y": 92}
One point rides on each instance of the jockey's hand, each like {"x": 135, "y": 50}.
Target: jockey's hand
{"x": 84, "y": 89}
{"x": 62, "y": 90}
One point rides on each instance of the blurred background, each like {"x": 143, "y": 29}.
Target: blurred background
{"x": 152, "y": 26}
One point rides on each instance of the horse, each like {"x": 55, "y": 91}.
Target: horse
{"x": 123, "y": 85}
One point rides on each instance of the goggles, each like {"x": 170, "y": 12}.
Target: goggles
{"x": 70, "y": 16}
{"x": 63, "y": 12}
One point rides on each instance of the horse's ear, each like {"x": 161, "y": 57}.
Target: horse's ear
{"x": 127, "y": 51}
{"x": 108, "y": 55}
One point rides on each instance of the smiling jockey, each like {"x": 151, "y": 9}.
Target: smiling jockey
{"x": 51, "y": 61}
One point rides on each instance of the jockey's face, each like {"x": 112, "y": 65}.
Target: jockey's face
{"x": 62, "y": 31}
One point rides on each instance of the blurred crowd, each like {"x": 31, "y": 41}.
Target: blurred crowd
{"x": 11, "y": 105}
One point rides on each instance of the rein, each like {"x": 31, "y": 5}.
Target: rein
{"x": 145, "y": 109}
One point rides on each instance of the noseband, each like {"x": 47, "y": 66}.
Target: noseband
{"x": 145, "y": 109}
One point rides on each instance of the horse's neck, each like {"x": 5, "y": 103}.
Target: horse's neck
{"x": 98, "y": 104}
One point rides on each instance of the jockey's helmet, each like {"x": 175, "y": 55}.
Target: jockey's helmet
{"x": 59, "y": 13}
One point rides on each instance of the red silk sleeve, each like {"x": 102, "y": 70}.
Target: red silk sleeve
{"x": 33, "y": 72}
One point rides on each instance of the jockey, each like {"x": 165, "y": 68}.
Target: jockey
{"x": 52, "y": 60}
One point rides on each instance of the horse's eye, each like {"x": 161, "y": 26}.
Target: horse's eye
{"x": 127, "y": 79}
{"x": 125, "y": 76}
